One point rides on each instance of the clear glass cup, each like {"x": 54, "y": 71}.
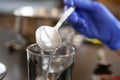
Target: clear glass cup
{"x": 43, "y": 66}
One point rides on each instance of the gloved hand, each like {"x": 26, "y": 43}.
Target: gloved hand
{"x": 94, "y": 20}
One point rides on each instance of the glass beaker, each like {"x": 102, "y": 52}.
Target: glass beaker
{"x": 41, "y": 67}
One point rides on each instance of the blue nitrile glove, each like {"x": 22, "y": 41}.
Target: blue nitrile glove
{"x": 94, "y": 20}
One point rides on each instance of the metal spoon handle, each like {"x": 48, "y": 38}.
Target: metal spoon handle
{"x": 64, "y": 17}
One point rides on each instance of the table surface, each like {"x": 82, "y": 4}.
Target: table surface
{"x": 85, "y": 60}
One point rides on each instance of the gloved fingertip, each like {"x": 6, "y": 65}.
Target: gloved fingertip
{"x": 81, "y": 22}
{"x": 73, "y": 18}
{"x": 69, "y": 2}
{"x": 79, "y": 26}
{"x": 65, "y": 8}
{"x": 85, "y": 4}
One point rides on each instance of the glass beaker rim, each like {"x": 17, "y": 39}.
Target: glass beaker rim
{"x": 33, "y": 53}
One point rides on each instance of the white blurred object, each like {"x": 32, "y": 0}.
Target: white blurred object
{"x": 25, "y": 11}
{"x": 77, "y": 39}
{"x": 102, "y": 56}
{"x": 3, "y": 71}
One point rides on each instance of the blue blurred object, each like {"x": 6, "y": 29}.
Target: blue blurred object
{"x": 94, "y": 20}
